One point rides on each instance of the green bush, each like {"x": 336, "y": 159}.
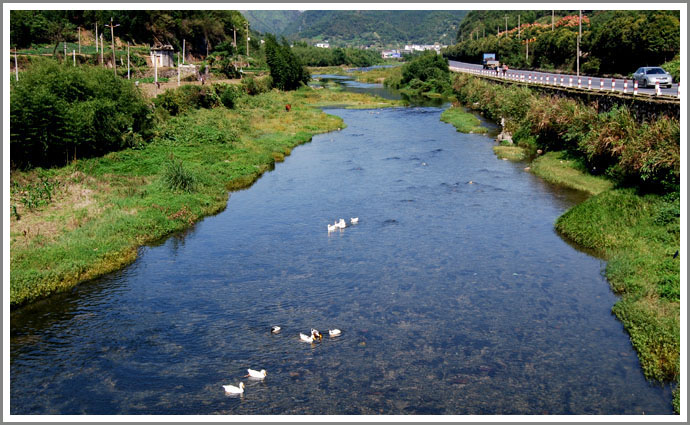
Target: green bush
{"x": 187, "y": 97}
{"x": 60, "y": 112}
{"x": 177, "y": 177}
{"x": 253, "y": 86}
{"x": 228, "y": 94}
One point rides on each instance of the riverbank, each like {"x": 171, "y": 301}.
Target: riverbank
{"x": 100, "y": 210}
{"x": 636, "y": 231}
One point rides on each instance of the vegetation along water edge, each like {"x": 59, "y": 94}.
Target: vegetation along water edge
{"x": 631, "y": 169}
{"x": 72, "y": 223}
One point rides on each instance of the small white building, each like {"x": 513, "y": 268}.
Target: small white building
{"x": 163, "y": 56}
{"x": 324, "y": 45}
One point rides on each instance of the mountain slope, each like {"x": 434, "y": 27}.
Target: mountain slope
{"x": 376, "y": 27}
{"x": 270, "y": 21}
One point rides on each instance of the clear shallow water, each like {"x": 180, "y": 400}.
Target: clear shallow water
{"x": 453, "y": 298}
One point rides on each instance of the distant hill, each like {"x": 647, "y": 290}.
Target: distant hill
{"x": 270, "y": 21}
{"x": 380, "y": 28}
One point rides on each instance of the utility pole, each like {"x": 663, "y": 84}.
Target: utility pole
{"x": 579, "y": 34}
{"x": 112, "y": 38}
{"x": 102, "y": 63}
{"x": 552, "y": 17}
{"x": 79, "y": 40}
{"x": 519, "y": 30}
{"x": 16, "y": 70}
{"x": 64, "y": 44}
{"x": 234, "y": 36}
{"x": 96, "y": 25}
{"x": 497, "y": 31}
{"x": 183, "y": 49}
{"x": 178, "y": 69}
{"x": 247, "y": 38}
{"x": 506, "y": 24}
{"x": 74, "y": 58}
{"x": 128, "y": 60}
{"x": 527, "y": 50}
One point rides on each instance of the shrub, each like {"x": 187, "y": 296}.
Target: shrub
{"x": 228, "y": 94}
{"x": 60, "y": 112}
{"x": 177, "y": 177}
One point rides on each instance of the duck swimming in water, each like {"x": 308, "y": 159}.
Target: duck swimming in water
{"x": 256, "y": 373}
{"x": 316, "y": 334}
{"x": 305, "y": 338}
{"x": 334, "y": 332}
{"x": 275, "y": 329}
{"x": 231, "y": 389}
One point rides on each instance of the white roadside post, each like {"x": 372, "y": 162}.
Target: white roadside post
{"x": 678, "y": 90}
{"x": 601, "y": 84}
{"x": 635, "y": 88}
{"x": 589, "y": 83}
{"x": 613, "y": 84}
{"x": 625, "y": 86}
{"x": 657, "y": 89}
{"x": 562, "y": 83}
{"x": 579, "y": 82}
{"x": 570, "y": 81}
{"x": 547, "y": 80}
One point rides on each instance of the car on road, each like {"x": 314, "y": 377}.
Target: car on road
{"x": 650, "y": 75}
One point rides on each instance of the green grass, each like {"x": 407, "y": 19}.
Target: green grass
{"x": 463, "y": 121}
{"x": 109, "y": 206}
{"x": 511, "y": 153}
{"x": 638, "y": 235}
{"x": 558, "y": 168}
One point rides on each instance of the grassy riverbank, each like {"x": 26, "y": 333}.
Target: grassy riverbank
{"x": 463, "y": 121}
{"x": 100, "y": 210}
{"x": 633, "y": 217}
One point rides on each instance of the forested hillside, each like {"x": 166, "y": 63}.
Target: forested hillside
{"x": 271, "y": 21}
{"x": 201, "y": 29}
{"x": 612, "y": 41}
{"x": 381, "y": 28}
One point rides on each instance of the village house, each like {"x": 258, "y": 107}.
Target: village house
{"x": 163, "y": 56}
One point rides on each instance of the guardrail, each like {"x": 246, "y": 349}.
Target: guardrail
{"x": 542, "y": 81}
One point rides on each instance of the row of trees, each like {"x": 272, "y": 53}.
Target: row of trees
{"x": 316, "y": 56}
{"x": 202, "y": 30}
{"x": 612, "y": 41}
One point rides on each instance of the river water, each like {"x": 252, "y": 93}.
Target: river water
{"x": 452, "y": 297}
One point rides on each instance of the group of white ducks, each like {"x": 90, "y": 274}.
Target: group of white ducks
{"x": 314, "y": 335}
{"x": 341, "y": 224}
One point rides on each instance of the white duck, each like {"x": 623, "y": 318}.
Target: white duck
{"x": 316, "y": 334}
{"x": 275, "y": 329}
{"x": 341, "y": 223}
{"x": 231, "y": 389}
{"x": 256, "y": 373}
{"x": 354, "y": 220}
{"x": 332, "y": 227}
{"x": 305, "y": 338}
{"x": 334, "y": 332}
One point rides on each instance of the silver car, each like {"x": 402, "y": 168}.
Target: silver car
{"x": 650, "y": 75}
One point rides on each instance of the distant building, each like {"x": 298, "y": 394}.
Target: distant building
{"x": 163, "y": 56}
{"x": 388, "y": 54}
{"x": 323, "y": 45}
{"x": 409, "y": 48}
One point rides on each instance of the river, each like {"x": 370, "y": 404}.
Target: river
{"x": 454, "y": 295}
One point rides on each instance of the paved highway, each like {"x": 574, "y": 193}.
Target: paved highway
{"x": 540, "y": 78}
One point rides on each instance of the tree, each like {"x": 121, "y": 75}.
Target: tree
{"x": 287, "y": 71}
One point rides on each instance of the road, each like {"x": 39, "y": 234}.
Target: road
{"x": 540, "y": 77}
